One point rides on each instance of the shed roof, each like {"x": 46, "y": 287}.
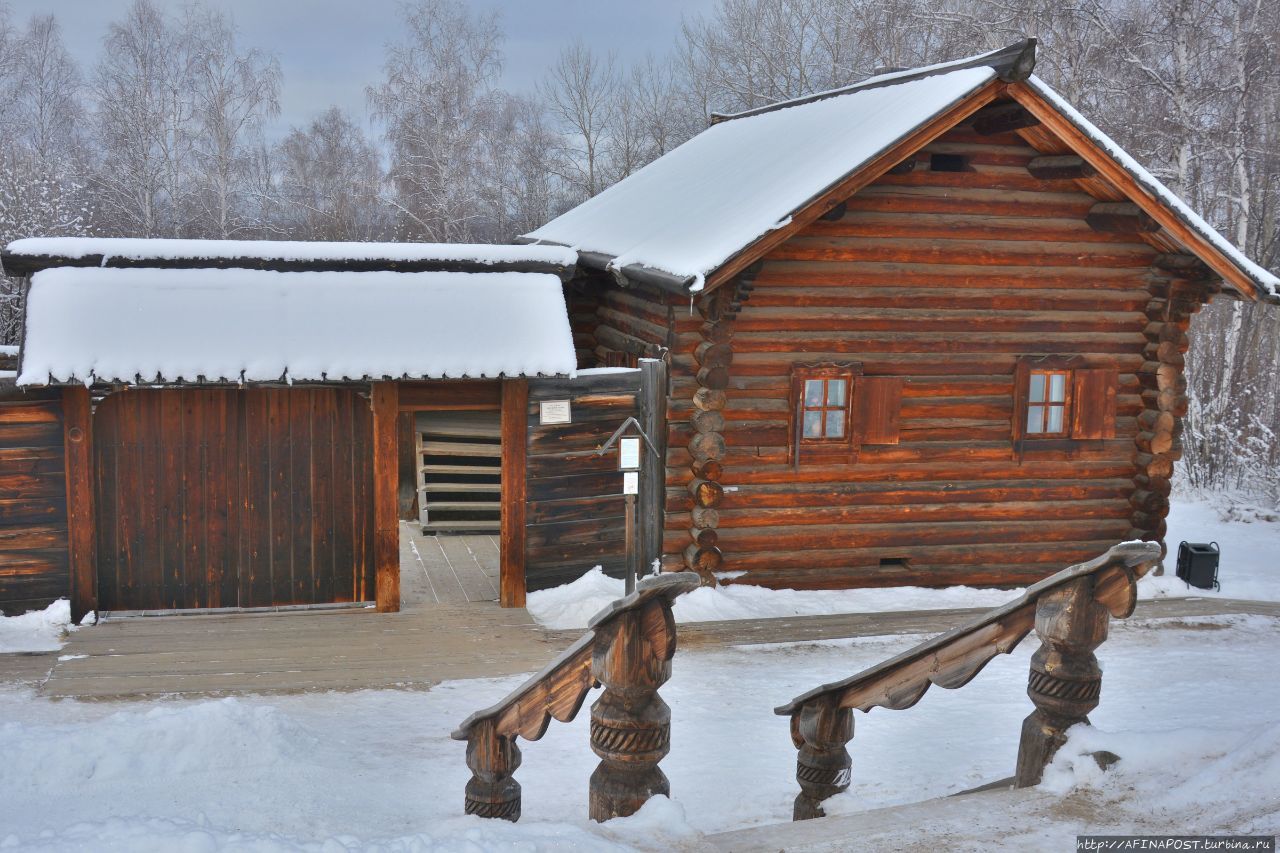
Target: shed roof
{"x": 748, "y": 178}
{"x": 159, "y": 327}
{"x": 23, "y": 257}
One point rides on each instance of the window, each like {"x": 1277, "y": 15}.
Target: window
{"x": 1062, "y": 398}
{"x": 836, "y": 411}
{"x": 1047, "y": 402}
{"x": 826, "y": 409}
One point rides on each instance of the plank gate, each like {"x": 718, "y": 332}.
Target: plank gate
{"x": 226, "y": 498}
{"x": 574, "y": 502}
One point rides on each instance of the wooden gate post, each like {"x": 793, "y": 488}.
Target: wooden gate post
{"x": 82, "y": 533}
{"x": 820, "y": 731}
{"x": 384, "y": 400}
{"x": 492, "y": 791}
{"x": 630, "y": 724}
{"x": 1065, "y": 680}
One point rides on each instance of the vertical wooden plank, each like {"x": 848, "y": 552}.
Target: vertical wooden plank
{"x": 653, "y": 471}
{"x": 129, "y": 471}
{"x": 279, "y": 447}
{"x": 362, "y": 516}
{"x": 77, "y": 435}
{"x": 106, "y": 450}
{"x": 409, "y": 462}
{"x": 174, "y": 523}
{"x": 300, "y": 496}
{"x": 345, "y": 574}
{"x": 258, "y": 495}
{"x": 148, "y": 569}
{"x": 515, "y": 426}
{"x": 216, "y": 502}
{"x": 877, "y": 403}
{"x": 386, "y": 546}
{"x": 322, "y": 491}
{"x": 196, "y": 495}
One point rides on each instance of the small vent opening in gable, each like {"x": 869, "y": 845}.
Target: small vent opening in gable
{"x": 948, "y": 163}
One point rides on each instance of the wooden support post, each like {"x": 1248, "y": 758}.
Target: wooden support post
{"x": 515, "y": 428}
{"x": 653, "y": 469}
{"x": 492, "y": 791}
{"x": 77, "y": 443}
{"x": 386, "y": 474}
{"x": 630, "y": 724}
{"x": 820, "y": 731}
{"x": 1065, "y": 680}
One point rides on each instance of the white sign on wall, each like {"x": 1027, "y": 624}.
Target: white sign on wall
{"x": 628, "y": 453}
{"x": 631, "y": 482}
{"x": 554, "y": 412}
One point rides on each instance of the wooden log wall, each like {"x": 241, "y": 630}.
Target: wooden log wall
{"x": 34, "y": 568}
{"x": 223, "y": 498}
{"x": 1179, "y": 286}
{"x": 574, "y": 505}
{"x": 942, "y": 278}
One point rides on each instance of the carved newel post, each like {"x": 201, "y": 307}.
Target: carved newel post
{"x": 820, "y": 731}
{"x": 630, "y": 724}
{"x": 493, "y": 759}
{"x": 1065, "y": 680}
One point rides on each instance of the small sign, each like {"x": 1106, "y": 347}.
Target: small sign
{"x": 631, "y": 482}
{"x": 554, "y": 412}
{"x": 628, "y": 453}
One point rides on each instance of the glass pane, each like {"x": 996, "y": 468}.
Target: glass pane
{"x": 835, "y": 392}
{"x": 1057, "y": 387}
{"x": 813, "y": 424}
{"x": 1035, "y": 419}
{"x": 835, "y": 423}
{"x": 1037, "y": 388}
{"x": 812, "y": 392}
{"x": 1055, "y": 418}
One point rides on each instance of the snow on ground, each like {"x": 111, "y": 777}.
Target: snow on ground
{"x": 36, "y": 630}
{"x": 317, "y": 772}
{"x": 1250, "y": 542}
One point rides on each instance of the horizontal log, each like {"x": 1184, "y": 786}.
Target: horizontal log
{"x": 712, "y": 354}
{"x": 707, "y": 469}
{"x": 704, "y": 537}
{"x": 1121, "y": 218}
{"x": 703, "y": 560}
{"x": 975, "y": 200}
{"x": 705, "y": 516}
{"x": 1002, "y": 118}
{"x": 908, "y": 536}
{"x": 1060, "y": 166}
{"x": 709, "y": 399}
{"x": 715, "y": 378}
{"x": 834, "y": 520}
{"x": 719, "y": 333}
{"x": 705, "y": 422}
{"x": 706, "y": 493}
{"x": 1149, "y": 501}
{"x": 707, "y": 445}
{"x": 962, "y": 252}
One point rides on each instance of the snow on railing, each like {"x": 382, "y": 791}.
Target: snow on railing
{"x": 1069, "y": 611}
{"x": 627, "y": 648}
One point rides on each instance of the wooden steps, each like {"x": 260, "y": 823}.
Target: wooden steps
{"x": 459, "y": 471}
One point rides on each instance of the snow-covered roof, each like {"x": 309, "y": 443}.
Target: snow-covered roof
{"x": 692, "y": 209}
{"x": 161, "y": 326}
{"x": 23, "y": 256}
{"x": 1266, "y": 281}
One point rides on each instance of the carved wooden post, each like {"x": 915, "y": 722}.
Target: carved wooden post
{"x": 630, "y": 724}
{"x": 493, "y": 759}
{"x": 820, "y": 731}
{"x": 1065, "y": 680}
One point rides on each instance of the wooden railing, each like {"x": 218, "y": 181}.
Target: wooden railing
{"x": 1070, "y": 611}
{"x": 627, "y": 648}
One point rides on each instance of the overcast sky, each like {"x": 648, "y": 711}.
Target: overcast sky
{"x": 330, "y": 50}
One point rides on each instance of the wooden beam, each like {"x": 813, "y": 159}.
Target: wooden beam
{"x": 1120, "y": 217}
{"x": 515, "y": 428}
{"x": 856, "y": 180}
{"x": 1120, "y": 177}
{"x": 1061, "y": 166}
{"x": 1003, "y": 118}
{"x": 77, "y": 422}
{"x": 386, "y": 475}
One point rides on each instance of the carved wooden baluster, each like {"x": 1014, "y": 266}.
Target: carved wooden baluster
{"x": 491, "y": 791}
{"x": 820, "y": 731}
{"x": 1065, "y": 680}
{"x": 630, "y": 724}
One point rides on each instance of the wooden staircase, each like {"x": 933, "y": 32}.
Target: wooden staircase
{"x": 459, "y": 457}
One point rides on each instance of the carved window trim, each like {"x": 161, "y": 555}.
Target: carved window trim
{"x": 800, "y": 373}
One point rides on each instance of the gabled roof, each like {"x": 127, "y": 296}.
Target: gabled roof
{"x": 702, "y": 212}
{"x": 23, "y": 257}
{"x": 239, "y": 326}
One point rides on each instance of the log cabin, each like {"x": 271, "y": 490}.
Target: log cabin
{"x": 926, "y": 329}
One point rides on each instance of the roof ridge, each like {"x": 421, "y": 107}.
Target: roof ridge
{"x": 1013, "y": 63}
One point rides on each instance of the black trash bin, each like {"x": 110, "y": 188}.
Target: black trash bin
{"x": 1198, "y": 564}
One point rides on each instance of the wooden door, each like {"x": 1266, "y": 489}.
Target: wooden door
{"x": 223, "y": 498}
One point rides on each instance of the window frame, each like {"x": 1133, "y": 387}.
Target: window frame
{"x": 813, "y": 447}
{"x": 1066, "y": 404}
{"x": 1067, "y": 439}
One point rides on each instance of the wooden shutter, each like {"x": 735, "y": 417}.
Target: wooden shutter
{"x": 877, "y": 406}
{"x": 1093, "y": 413}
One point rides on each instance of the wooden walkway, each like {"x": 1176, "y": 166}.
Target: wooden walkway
{"x": 446, "y": 569}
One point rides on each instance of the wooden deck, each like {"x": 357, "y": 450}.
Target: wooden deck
{"x": 446, "y": 569}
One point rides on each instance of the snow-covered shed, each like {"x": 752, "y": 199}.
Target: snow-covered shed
{"x": 229, "y": 423}
{"x": 925, "y": 329}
